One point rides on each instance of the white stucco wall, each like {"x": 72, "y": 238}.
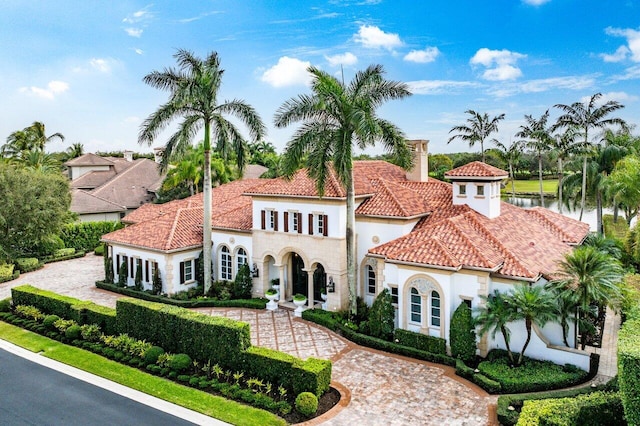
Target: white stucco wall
{"x": 96, "y": 217}
{"x": 233, "y": 241}
{"x": 77, "y": 171}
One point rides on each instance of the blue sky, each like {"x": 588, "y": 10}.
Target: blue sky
{"x": 78, "y": 66}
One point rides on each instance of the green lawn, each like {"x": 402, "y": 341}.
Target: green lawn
{"x": 202, "y": 402}
{"x": 549, "y": 186}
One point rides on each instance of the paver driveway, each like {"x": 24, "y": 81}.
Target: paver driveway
{"x": 385, "y": 389}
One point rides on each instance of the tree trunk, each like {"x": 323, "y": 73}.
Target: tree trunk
{"x": 560, "y": 176}
{"x": 526, "y": 343}
{"x": 482, "y": 150}
{"x": 206, "y": 196}
{"x": 599, "y": 226}
{"x": 503, "y": 330}
{"x": 584, "y": 186}
{"x": 513, "y": 184}
{"x": 540, "y": 177}
{"x": 351, "y": 244}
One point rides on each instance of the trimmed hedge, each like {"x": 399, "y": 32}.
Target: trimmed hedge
{"x": 327, "y": 319}
{"x": 423, "y": 342}
{"x": 479, "y": 379}
{"x": 629, "y": 367}
{"x": 594, "y": 409}
{"x": 200, "y": 303}
{"x": 81, "y": 311}
{"x": 462, "y": 335}
{"x": 52, "y": 259}
{"x": 7, "y": 272}
{"x": 86, "y": 236}
{"x": 27, "y": 264}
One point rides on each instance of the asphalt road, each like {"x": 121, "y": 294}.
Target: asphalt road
{"x": 31, "y": 394}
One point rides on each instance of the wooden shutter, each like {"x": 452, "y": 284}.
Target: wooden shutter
{"x": 286, "y": 221}
{"x": 181, "y": 272}
{"x": 131, "y": 270}
{"x": 310, "y": 224}
{"x": 146, "y": 271}
{"x": 262, "y": 219}
{"x": 299, "y": 222}
{"x": 275, "y": 221}
{"x": 325, "y": 230}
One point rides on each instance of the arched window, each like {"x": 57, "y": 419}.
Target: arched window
{"x": 241, "y": 258}
{"x": 371, "y": 280}
{"x": 416, "y": 306}
{"x": 435, "y": 309}
{"x": 225, "y": 264}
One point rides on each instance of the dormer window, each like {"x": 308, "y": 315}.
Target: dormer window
{"x": 480, "y": 190}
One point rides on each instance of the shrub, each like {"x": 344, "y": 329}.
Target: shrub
{"x": 137, "y": 281}
{"x": 64, "y": 252}
{"x": 99, "y": 250}
{"x": 629, "y": 367}
{"x": 462, "y": 336}
{"x": 91, "y": 332}
{"x": 7, "y": 272}
{"x": 5, "y": 305}
{"x": 123, "y": 273}
{"x": 49, "y": 321}
{"x": 435, "y": 345}
{"x": 156, "y": 285}
{"x": 86, "y": 236}
{"x": 594, "y": 409}
{"x": 62, "y": 324}
{"x": 108, "y": 267}
{"x": 382, "y": 316}
{"x": 49, "y": 245}
{"x": 73, "y": 332}
{"x": 306, "y": 404}
{"x": 152, "y": 354}
{"x": 27, "y": 264}
{"x": 29, "y": 312}
{"x": 180, "y": 362}
{"x": 243, "y": 284}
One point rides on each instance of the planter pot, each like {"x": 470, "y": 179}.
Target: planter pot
{"x": 323, "y": 296}
{"x": 272, "y": 305}
{"x": 299, "y": 304}
{"x": 277, "y": 289}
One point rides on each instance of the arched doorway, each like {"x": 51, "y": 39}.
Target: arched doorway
{"x": 319, "y": 282}
{"x": 299, "y": 276}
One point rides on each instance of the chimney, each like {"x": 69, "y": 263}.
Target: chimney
{"x": 420, "y": 170}
{"x": 128, "y": 155}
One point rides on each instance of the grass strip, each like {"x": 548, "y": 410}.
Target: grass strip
{"x": 549, "y": 187}
{"x": 193, "y": 399}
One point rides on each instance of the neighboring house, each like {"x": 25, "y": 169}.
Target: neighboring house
{"x": 107, "y": 188}
{"x": 434, "y": 245}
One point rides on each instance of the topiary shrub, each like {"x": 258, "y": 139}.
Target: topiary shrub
{"x": 157, "y": 282}
{"x": 49, "y": 321}
{"x": 243, "y": 284}
{"x": 99, "y": 250}
{"x": 137, "y": 282}
{"x": 5, "y": 305}
{"x": 382, "y": 316}
{"x": 180, "y": 362}
{"x": 306, "y": 404}
{"x": 73, "y": 332}
{"x": 462, "y": 336}
{"x": 152, "y": 354}
{"x": 27, "y": 264}
{"x": 123, "y": 272}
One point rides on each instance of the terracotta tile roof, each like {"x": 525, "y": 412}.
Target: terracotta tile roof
{"x": 393, "y": 199}
{"x": 83, "y": 202}
{"x": 476, "y": 169}
{"x": 89, "y": 160}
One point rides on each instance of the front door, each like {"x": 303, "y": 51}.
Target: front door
{"x": 300, "y": 280}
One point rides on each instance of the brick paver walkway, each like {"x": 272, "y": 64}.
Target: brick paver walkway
{"x": 385, "y": 389}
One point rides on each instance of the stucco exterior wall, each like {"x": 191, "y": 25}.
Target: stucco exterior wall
{"x": 96, "y": 217}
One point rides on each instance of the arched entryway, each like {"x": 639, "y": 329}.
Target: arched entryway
{"x": 319, "y": 282}
{"x": 299, "y": 277}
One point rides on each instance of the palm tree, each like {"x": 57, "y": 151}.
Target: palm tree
{"x": 493, "y": 315}
{"x": 478, "y": 129}
{"x": 335, "y": 117}
{"x": 624, "y": 187}
{"x": 193, "y": 96}
{"x": 593, "y": 276}
{"x": 585, "y": 117}
{"x": 30, "y": 138}
{"x": 535, "y": 306}
{"x": 538, "y": 138}
{"x": 39, "y": 161}
{"x": 564, "y": 146}
{"x": 510, "y": 154}
{"x": 74, "y": 151}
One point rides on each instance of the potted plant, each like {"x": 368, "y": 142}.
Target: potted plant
{"x": 299, "y": 300}
{"x": 275, "y": 284}
{"x": 323, "y": 293}
{"x": 271, "y": 294}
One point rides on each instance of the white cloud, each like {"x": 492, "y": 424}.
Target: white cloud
{"x": 54, "y": 88}
{"x": 427, "y": 55}
{"x": 344, "y": 59}
{"x": 535, "y": 2}
{"x": 615, "y": 96}
{"x": 373, "y": 37}
{"x": 287, "y": 72}
{"x": 544, "y": 85}
{"x": 437, "y": 87}
{"x": 139, "y": 51}
{"x": 141, "y": 15}
{"x": 134, "y": 32}
{"x": 101, "y": 65}
{"x": 631, "y": 73}
{"x": 633, "y": 45}
{"x": 500, "y": 64}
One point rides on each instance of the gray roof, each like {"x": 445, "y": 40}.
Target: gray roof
{"x": 83, "y": 202}
{"x": 89, "y": 160}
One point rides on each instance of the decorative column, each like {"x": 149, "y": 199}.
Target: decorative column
{"x": 283, "y": 287}
{"x": 310, "y": 300}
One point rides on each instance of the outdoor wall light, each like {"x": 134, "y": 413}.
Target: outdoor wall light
{"x": 254, "y": 271}
{"x": 331, "y": 286}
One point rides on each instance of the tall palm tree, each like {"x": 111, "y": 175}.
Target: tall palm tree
{"x": 193, "y": 96}
{"x": 538, "y": 138}
{"x": 586, "y": 116}
{"x": 510, "y": 154}
{"x": 564, "y": 146}
{"x": 74, "y": 151}
{"x": 624, "y": 187}
{"x": 592, "y": 276}
{"x": 335, "y": 117}
{"x": 479, "y": 127}
{"x": 30, "y": 138}
{"x": 535, "y": 306}
{"x": 493, "y": 315}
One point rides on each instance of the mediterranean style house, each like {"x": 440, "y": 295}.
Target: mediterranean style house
{"x": 433, "y": 245}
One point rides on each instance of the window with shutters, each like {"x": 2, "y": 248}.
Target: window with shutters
{"x": 132, "y": 269}
{"x": 226, "y": 272}
{"x": 187, "y": 269}
{"x": 292, "y": 221}
{"x": 269, "y": 220}
{"x": 318, "y": 224}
